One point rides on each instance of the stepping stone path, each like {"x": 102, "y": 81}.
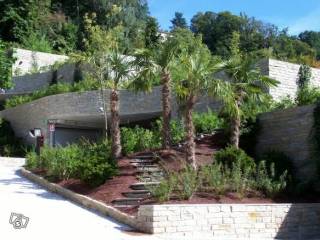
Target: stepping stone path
{"x": 149, "y": 174}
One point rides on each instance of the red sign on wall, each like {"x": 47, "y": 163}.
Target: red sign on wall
{"x": 52, "y": 127}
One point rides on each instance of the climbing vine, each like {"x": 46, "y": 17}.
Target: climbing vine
{"x": 6, "y": 61}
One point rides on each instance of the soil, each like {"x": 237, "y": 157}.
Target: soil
{"x": 170, "y": 160}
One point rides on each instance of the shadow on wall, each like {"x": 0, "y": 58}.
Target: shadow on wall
{"x": 301, "y": 222}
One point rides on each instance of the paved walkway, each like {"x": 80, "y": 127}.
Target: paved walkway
{"x": 51, "y": 216}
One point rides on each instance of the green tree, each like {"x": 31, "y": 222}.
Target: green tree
{"x": 112, "y": 69}
{"x": 178, "y": 21}
{"x": 131, "y": 14}
{"x": 154, "y": 64}
{"x": 193, "y": 74}
{"x": 313, "y": 39}
{"x": 245, "y": 88}
{"x": 6, "y": 62}
{"x": 152, "y": 36}
{"x": 19, "y": 17}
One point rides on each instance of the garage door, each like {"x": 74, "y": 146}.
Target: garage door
{"x": 64, "y": 136}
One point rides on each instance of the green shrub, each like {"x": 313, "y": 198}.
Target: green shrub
{"x": 10, "y": 145}
{"x": 187, "y": 183}
{"x": 90, "y": 162}
{"x": 307, "y": 95}
{"x": 32, "y": 161}
{"x": 138, "y": 139}
{"x": 207, "y": 122}
{"x": 176, "y": 130}
{"x": 284, "y": 103}
{"x": 214, "y": 179}
{"x": 231, "y": 155}
{"x": 37, "y": 42}
{"x": 280, "y": 160}
{"x": 240, "y": 177}
{"x": 164, "y": 190}
{"x": 62, "y": 161}
{"x": 97, "y": 164}
{"x": 267, "y": 181}
{"x": 84, "y": 85}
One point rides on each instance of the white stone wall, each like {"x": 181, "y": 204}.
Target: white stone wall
{"x": 287, "y": 74}
{"x": 232, "y": 221}
{"x": 26, "y": 60}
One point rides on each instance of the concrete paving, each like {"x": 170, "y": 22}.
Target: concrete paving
{"x": 50, "y": 216}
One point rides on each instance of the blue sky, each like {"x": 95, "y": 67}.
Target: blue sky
{"x": 298, "y": 15}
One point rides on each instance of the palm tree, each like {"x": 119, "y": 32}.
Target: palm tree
{"x": 193, "y": 75}
{"x": 112, "y": 69}
{"x": 245, "y": 85}
{"x": 120, "y": 72}
{"x": 153, "y": 64}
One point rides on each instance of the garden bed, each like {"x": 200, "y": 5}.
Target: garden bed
{"x": 172, "y": 160}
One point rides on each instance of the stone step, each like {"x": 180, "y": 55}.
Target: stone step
{"x": 144, "y": 157}
{"x": 151, "y": 179}
{"x": 143, "y": 186}
{"x": 137, "y": 194}
{"x": 127, "y": 201}
{"x": 142, "y": 165}
{"x": 142, "y": 161}
{"x": 153, "y": 168}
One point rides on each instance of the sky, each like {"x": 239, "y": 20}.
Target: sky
{"x": 297, "y": 15}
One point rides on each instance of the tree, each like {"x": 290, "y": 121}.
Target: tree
{"x": 18, "y": 18}
{"x": 178, "y": 21}
{"x": 112, "y": 69}
{"x": 193, "y": 76}
{"x": 154, "y": 64}
{"x": 245, "y": 86}
{"x": 312, "y": 38}
{"x": 152, "y": 36}
{"x": 131, "y": 14}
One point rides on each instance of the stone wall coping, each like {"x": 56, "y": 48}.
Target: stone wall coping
{"x": 166, "y": 206}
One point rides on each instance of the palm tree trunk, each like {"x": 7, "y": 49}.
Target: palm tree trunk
{"x": 190, "y": 144}
{"x": 235, "y": 129}
{"x": 166, "y": 108}
{"x": 115, "y": 124}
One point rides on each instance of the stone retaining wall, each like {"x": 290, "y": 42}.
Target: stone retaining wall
{"x": 289, "y": 131}
{"x": 238, "y": 221}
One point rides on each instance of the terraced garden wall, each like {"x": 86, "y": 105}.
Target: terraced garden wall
{"x": 237, "y": 221}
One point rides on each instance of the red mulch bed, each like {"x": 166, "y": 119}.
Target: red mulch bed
{"x": 171, "y": 160}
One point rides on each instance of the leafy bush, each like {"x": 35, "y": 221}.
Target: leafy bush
{"x": 176, "y": 130}
{"x": 280, "y": 160}
{"x": 62, "y": 162}
{"x": 284, "y": 103}
{"x": 84, "y": 85}
{"x": 138, "y": 139}
{"x": 32, "y": 161}
{"x": 213, "y": 179}
{"x": 37, "y": 42}
{"x": 164, "y": 190}
{"x": 240, "y": 176}
{"x": 231, "y": 155}
{"x": 267, "y": 181}
{"x": 307, "y": 95}
{"x": 6, "y": 62}
{"x": 207, "y": 122}
{"x": 10, "y": 146}
{"x": 187, "y": 183}
{"x": 97, "y": 164}
{"x": 90, "y": 162}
